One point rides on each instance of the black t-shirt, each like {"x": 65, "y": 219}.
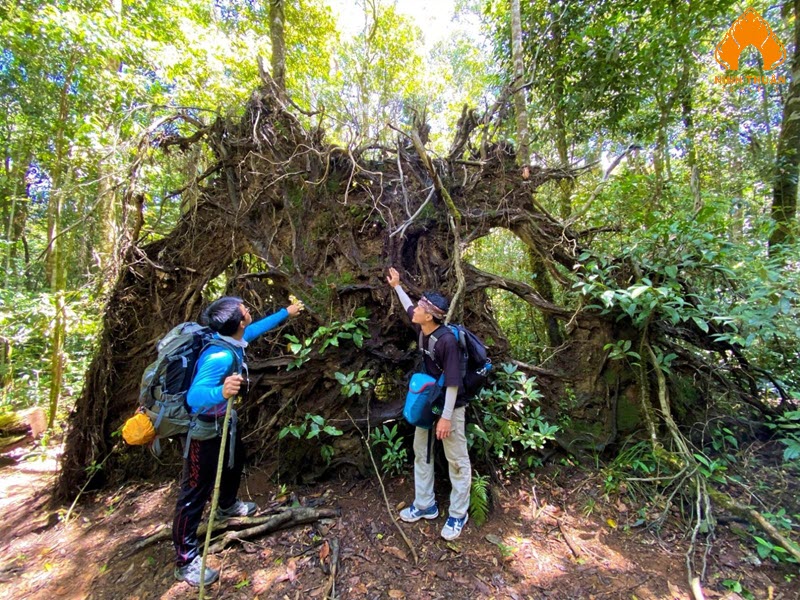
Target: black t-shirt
{"x": 447, "y": 357}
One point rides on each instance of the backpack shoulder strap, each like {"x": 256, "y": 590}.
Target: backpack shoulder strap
{"x": 432, "y": 339}
{"x": 435, "y": 337}
{"x": 237, "y": 362}
{"x": 461, "y": 336}
{"x": 462, "y": 345}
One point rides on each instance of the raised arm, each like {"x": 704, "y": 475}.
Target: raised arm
{"x": 393, "y": 279}
{"x": 262, "y": 326}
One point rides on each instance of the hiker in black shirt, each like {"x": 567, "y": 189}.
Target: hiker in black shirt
{"x": 427, "y": 317}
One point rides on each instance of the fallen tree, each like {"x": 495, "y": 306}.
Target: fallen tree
{"x": 284, "y": 213}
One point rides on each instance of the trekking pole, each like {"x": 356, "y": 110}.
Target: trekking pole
{"x": 215, "y": 496}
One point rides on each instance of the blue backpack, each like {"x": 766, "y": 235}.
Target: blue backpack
{"x": 423, "y": 391}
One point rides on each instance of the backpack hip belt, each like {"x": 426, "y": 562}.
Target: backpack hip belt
{"x": 207, "y": 429}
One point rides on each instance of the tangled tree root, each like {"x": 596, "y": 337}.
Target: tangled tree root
{"x": 756, "y": 519}
{"x": 247, "y": 527}
{"x": 690, "y": 477}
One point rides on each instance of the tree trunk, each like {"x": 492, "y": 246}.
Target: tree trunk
{"x": 60, "y": 321}
{"x": 193, "y": 166}
{"x": 769, "y": 142}
{"x": 56, "y": 250}
{"x": 11, "y": 220}
{"x": 520, "y": 105}
{"x": 6, "y": 367}
{"x": 787, "y": 159}
{"x": 543, "y": 285}
{"x": 105, "y": 220}
{"x": 59, "y": 167}
{"x": 691, "y": 149}
{"x": 560, "y": 118}
{"x": 276, "y": 36}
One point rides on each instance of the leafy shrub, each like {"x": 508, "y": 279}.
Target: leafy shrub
{"x": 787, "y": 428}
{"x": 312, "y": 427}
{"x": 354, "y": 330}
{"x": 395, "y": 456}
{"x": 354, "y": 384}
{"x": 635, "y": 459}
{"x": 688, "y": 275}
{"x": 510, "y": 427}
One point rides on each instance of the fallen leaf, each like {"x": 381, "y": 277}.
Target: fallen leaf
{"x": 496, "y": 540}
{"x": 396, "y": 552}
{"x": 290, "y": 574}
{"x": 324, "y": 551}
{"x": 611, "y": 523}
{"x": 482, "y": 587}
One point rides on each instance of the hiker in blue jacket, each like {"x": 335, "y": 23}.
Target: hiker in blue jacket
{"x": 214, "y": 382}
{"x": 428, "y": 317}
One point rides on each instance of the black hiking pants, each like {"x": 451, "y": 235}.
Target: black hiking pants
{"x": 197, "y": 486}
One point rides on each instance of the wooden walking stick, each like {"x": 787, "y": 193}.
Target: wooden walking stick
{"x": 215, "y": 496}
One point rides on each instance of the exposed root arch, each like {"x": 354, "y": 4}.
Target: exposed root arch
{"x": 282, "y": 212}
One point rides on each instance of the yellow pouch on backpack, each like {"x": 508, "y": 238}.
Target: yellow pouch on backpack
{"x": 138, "y": 430}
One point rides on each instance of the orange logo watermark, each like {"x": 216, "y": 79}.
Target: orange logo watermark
{"x": 750, "y": 29}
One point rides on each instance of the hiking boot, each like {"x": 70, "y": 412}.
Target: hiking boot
{"x": 190, "y": 573}
{"x": 411, "y": 513}
{"x": 452, "y": 528}
{"x": 237, "y": 509}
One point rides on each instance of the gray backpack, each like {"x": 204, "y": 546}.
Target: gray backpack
{"x": 166, "y": 381}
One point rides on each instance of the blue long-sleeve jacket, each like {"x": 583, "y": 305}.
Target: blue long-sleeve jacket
{"x": 216, "y": 363}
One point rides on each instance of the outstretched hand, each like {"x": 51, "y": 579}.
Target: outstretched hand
{"x": 393, "y": 279}
{"x": 295, "y": 307}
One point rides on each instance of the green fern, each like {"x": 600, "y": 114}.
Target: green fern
{"x": 479, "y": 499}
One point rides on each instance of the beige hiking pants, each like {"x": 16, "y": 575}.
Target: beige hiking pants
{"x": 455, "y": 449}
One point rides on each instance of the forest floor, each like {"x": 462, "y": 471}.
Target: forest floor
{"x": 556, "y": 536}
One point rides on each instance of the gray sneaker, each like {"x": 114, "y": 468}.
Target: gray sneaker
{"x": 237, "y": 509}
{"x": 190, "y": 573}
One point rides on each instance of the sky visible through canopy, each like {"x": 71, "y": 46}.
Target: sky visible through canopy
{"x": 432, "y": 16}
